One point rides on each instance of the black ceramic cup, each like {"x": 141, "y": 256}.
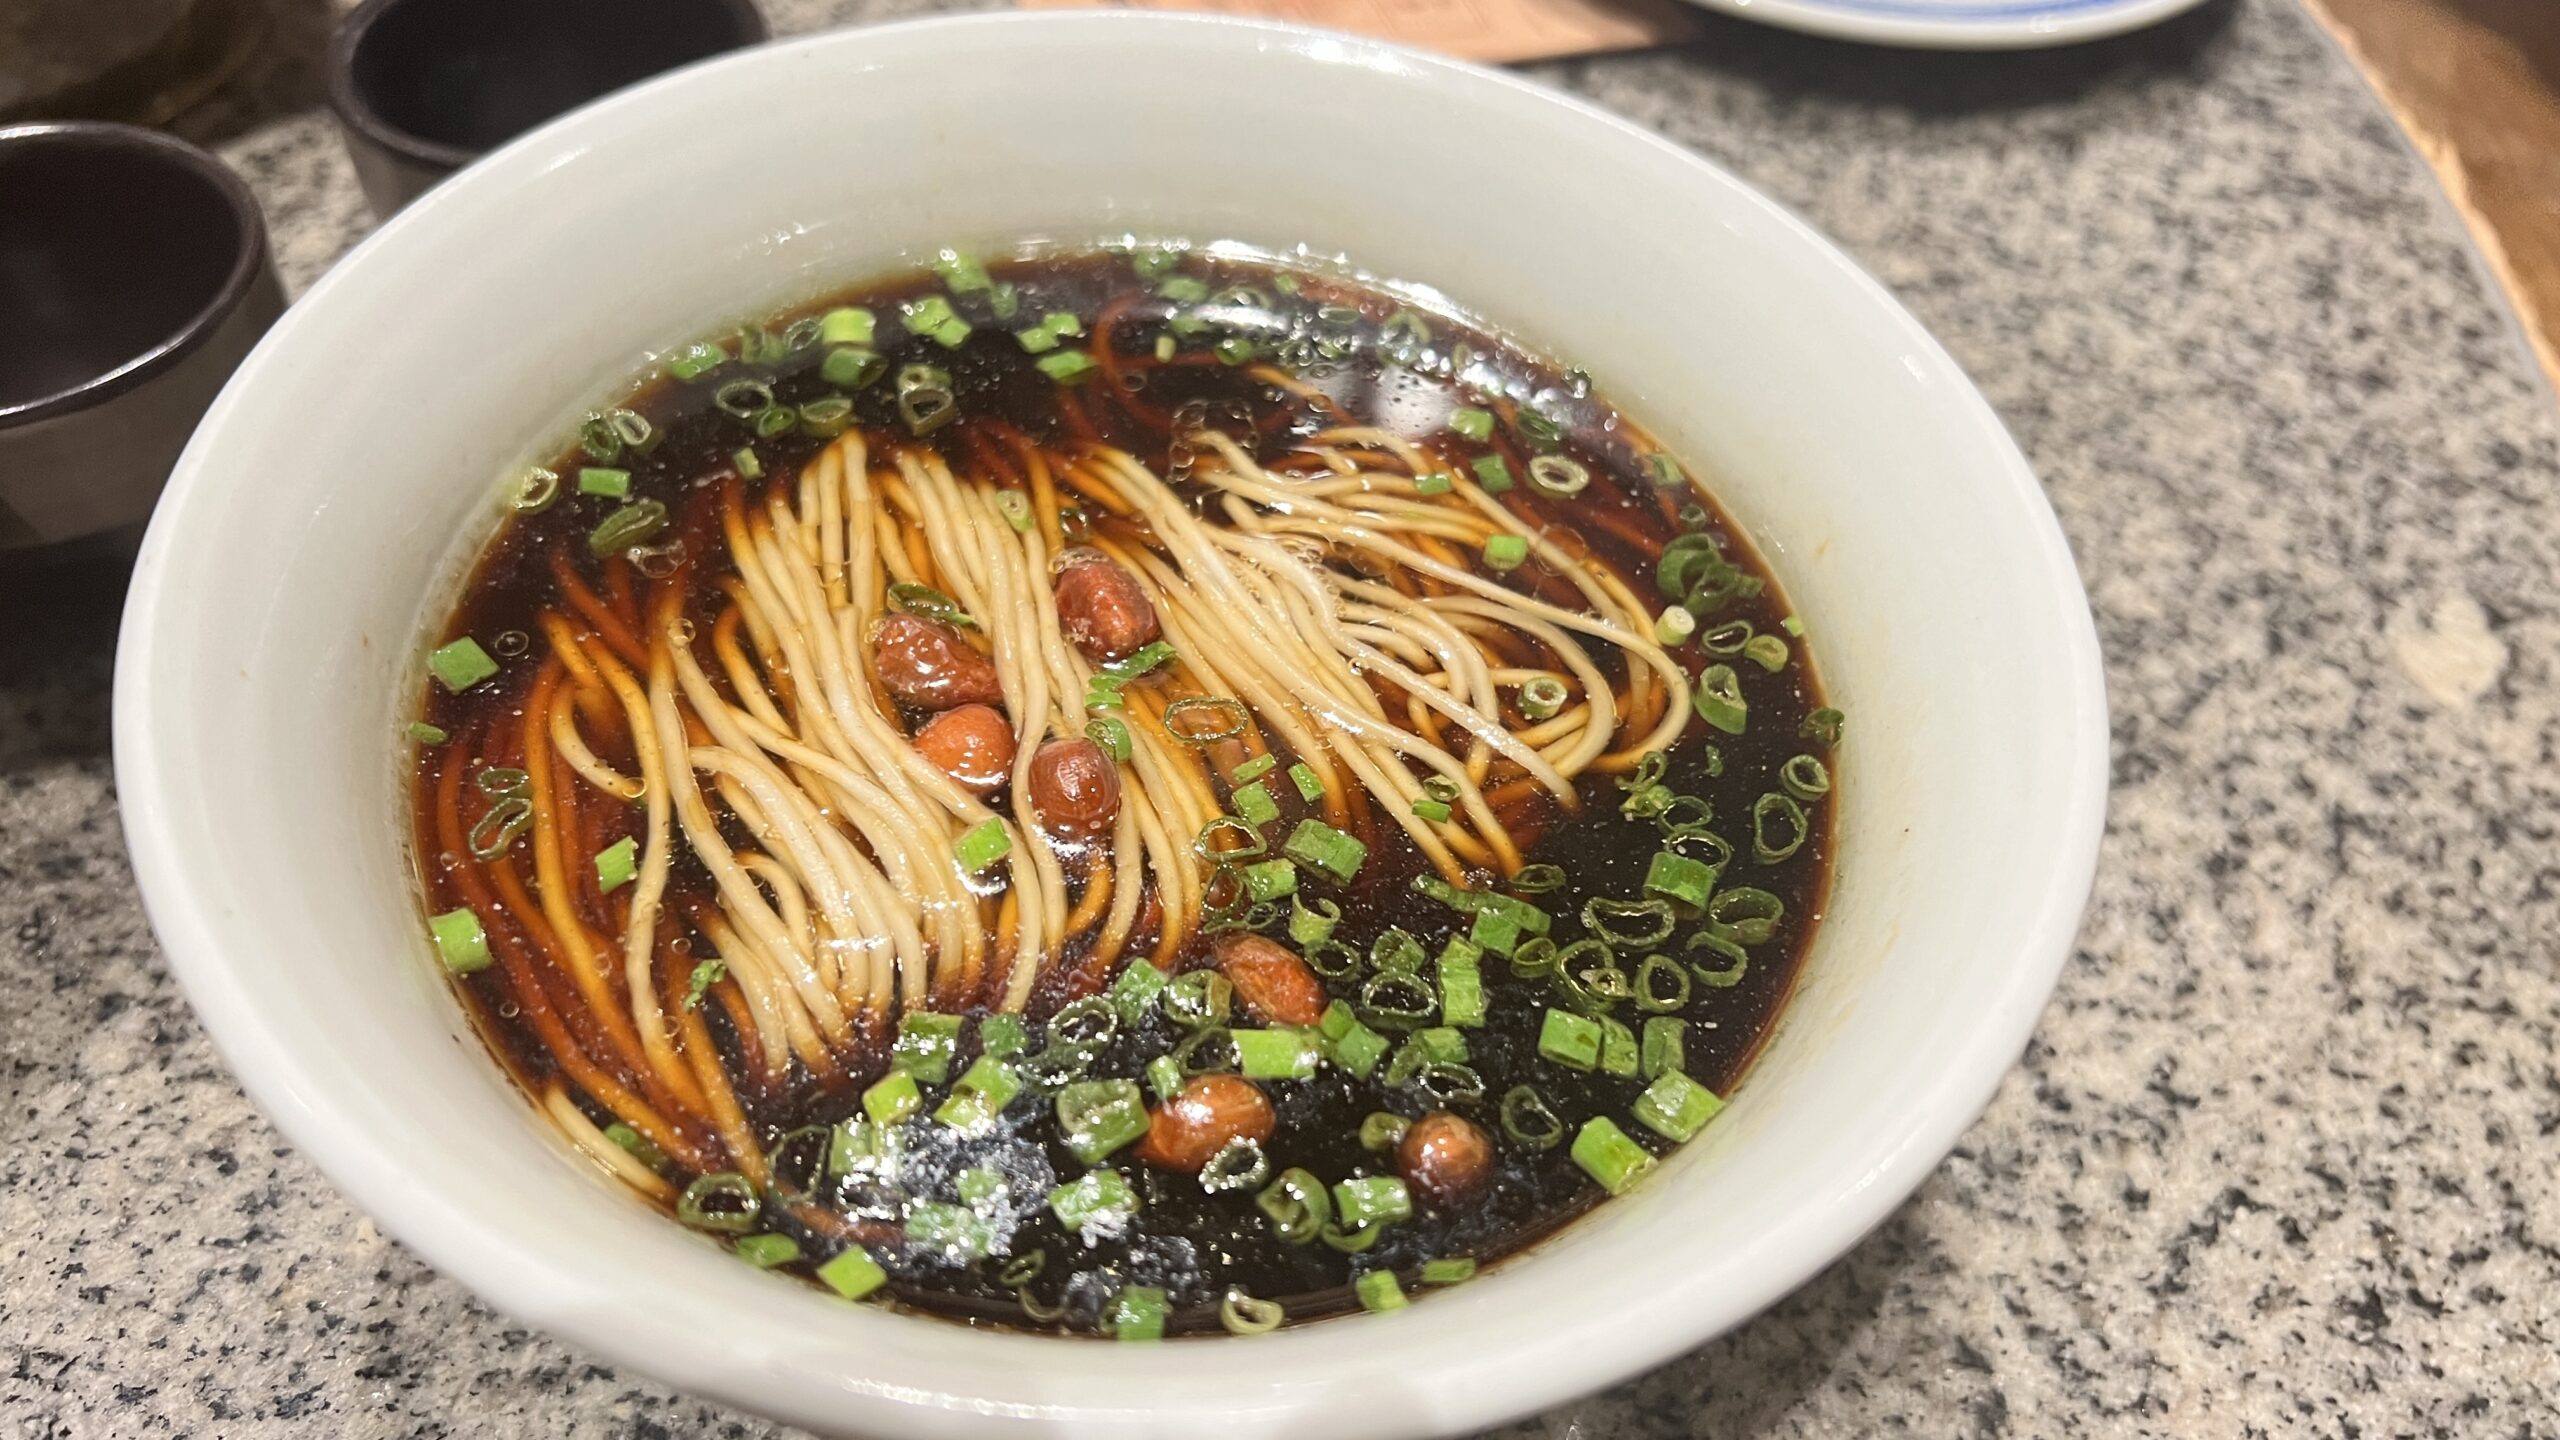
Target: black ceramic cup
{"x": 134, "y": 277}
{"x": 423, "y": 87}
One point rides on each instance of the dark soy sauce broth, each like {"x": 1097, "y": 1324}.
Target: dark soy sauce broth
{"x": 1193, "y": 1244}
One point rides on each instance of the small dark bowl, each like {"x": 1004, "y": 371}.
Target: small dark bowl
{"x": 423, "y": 87}
{"x": 135, "y": 276}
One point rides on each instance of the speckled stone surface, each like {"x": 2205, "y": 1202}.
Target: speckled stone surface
{"x": 2280, "y": 1160}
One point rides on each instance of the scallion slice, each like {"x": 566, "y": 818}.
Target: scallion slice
{"x": 617, "y": 864}
{"x": 1379, "y": 1292}
{"x": 460, "y": 942}
{"x": 853, "y": 1274}
{"x": 634, "y": 524}
{"x": 1608, "y": 1155}
{"x": 983, "y": 845}
{"x": 723, "y": 1201}
{"x": 1720, "y": 701}
{"x": 1676, "y": 1107}
{"x": 1068, "y": 367}
{"x": 461, "y": 664}
{"x": 1505, "y": 552}
{"x": 696, "y": 360}
{"x": 1472, "y": 423}
{"x": 1493, "y": 474}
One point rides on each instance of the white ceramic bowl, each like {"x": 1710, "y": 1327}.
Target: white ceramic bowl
{"x": 312, "y": 530}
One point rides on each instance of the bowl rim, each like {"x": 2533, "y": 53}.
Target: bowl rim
{"x": 499, "y": 1266}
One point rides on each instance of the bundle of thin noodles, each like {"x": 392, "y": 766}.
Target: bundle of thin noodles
{"x": 916, "y": 779}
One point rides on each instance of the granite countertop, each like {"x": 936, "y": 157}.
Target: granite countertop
{"x": 2279, "y": 1160}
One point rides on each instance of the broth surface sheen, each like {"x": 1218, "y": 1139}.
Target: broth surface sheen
{"x": 1087, "y": 386}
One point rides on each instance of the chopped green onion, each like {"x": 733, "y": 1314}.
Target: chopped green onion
{"x": 1805, "y": 777}
{"x": 1543, "y": 433}
{"x": 1002, "y": 1036}
{"x": 1068, "y": 367}
{"x": 1720, "y": 701}
{"x": 1357, "y": 1051}
{"x": 705, "y": 975}
{"x": 1379, "y": 1292}
{"x": 1248, "y": 842}
{"x": 1661, "y": 985}
{"x": 1543, "y": 698}
{"x": 1270, "y": 879}
{"x": 723, "y": 1201}
{"x": 1381, "y": 1131}
{"x": 1253, "y": 769}
{"x": 1666, "y": 471}
{"x": 462, "y": 664}
{"x": 774, "y": 421}
{"x": 892, "y": 1098}
{"x": 1618, "y": 1054}
{"x": 1607, "y": 1155}
{"x": 1136, "y": 990}
{"x": 1438, "y": 482}
{"x": 1505, "y": 552}
{"x": 1097, "y": 1117}
{"x": 1433, "y": 812}
{"x": 1676, "y": 1107}
{"x": 1037, "y": 339}
{"x": 1558, "y": 476}
{"x": 1164, "y": 1077}
{"x": 1664, "y": 1043}
{"x": 1276, "y": 1054}
{"x": 983, "y": 845}
{"x": 1527, "y": 1119}
{"x": 1165, "y": 347}
{"x": 767, "y": 1252}
{"x": 1462, "y": 999}
{"x": 1779, "y": 828}
{"x": 1205, "y": 720}
{"x": 1320, "y": 845}
{"x": 1751, "y": 915}
{"x": 1254, "y": 803}
{"x": 1767, "y": 651}
{"x": 1138, "y": 1315}
{"x": 1197, "y": 998}
{"x": 1110, "y": 734}
{"x": 426, "y": 734}
{"x": 1371, "y": 1200}
{"x": 1674, "y": 625}
{"x": 853, "y": 1274}
{"x": 599, "y": 480}
{"x": 1456, "y": 1270}
{"x": 1538, "y": 879}
{"x": 1015, "y": 507}
{"x": 617, "y": 864}
{"x": 1396, "y": 950}
{"x": 1493, "y": 474}
{"x": 1631, "y": 922}
{"x": 848, "y": 326}
{"x": 535, "y": 490}
{"x": 1297, "y": 1206}
{"x": 460, "y": 942}
{"x": 852, "y": 366}
{"x": 1238, "y": 1165}
{"x": 827, "y": 416}
{"x": 1737, "y": 961}
{"x": 1062, "y": 323}
{"x": 634, "y": 524}
{"x": 743, "y": 399}
{"x": 1792, "y": 626}
{"x": 1184, "y": 290}
{"x": 955, "y": 1231}
{"x": 1310, "y": 787}
{"x": 980, "y": 1095}
{"x": 697, "y": 359}
{"x": 961, "y": 272}
{"x": 1242, "y": 1314}
{"x": 1098, "y": 1198}
{"x": 1823, "y": 725}
{"x": 927, "y": 1043}
{"x": 926, "y": 401}
{"x": 932, "y": 315}
{"x": 1570, "y": 1040}
{"x": 858, "y": 1147}
{"x": 1472, "y": 423}
{"x": 1357, "y": 1240}
{"x": 749, "y": 467}
{"x": 1680, "y": 879}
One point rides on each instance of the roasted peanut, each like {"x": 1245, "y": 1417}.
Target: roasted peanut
{"x": 1075, "y": 789}
{"x": 1270, "y": 979}
{"x": 1101, "y": 608}
{"x": 1444, "y": 1158}
{"x": 926, "y": 664}
{"x": 972, "y": 745}
{"x": 1206, "y": 1115}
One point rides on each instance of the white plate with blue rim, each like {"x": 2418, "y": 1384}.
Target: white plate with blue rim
{"x": 1959, "y": 24}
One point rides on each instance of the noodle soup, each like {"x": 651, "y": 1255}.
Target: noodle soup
{"x": 1129, "y": 792}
